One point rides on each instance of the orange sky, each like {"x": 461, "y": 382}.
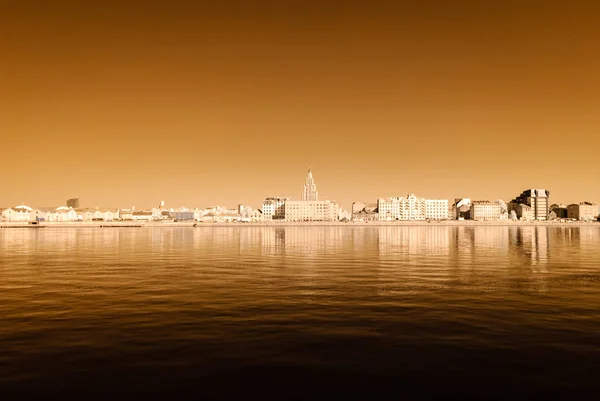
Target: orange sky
{"x": 206, "y": 104}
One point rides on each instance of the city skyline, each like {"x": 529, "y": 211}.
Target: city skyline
{"x": 309, "y": 188}
{"x": 309, "y": 192}
{"x": 224, "y": 104}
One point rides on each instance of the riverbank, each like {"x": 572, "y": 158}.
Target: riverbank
{"x": 191, "y": 224}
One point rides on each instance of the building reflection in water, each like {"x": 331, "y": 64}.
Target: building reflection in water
{"x": 531, "y": 246}
{"x": 405, "y": 242}
{"x": 499, "y": 246}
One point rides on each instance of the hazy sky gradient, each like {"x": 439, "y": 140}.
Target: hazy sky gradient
{"x": 229, "y": 102}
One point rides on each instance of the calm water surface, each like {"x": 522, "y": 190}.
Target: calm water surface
{"x": 301, "y": 312}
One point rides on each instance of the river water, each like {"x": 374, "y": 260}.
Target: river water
{"x": 301, "y": 313}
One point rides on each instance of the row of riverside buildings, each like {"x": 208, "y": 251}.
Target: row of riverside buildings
{"x": 530, "y": 205}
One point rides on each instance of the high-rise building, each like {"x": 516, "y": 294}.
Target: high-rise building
{"x": 310, "y": 189}
{"x": 73, "y": 203}
{"x": 537, "y": 199}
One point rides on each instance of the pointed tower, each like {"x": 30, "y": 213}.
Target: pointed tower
{"x": 310, "y": 189}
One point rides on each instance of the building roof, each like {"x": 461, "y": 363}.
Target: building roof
{"x": 142, "y": 213}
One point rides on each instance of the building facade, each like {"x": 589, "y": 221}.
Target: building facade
{"x": 525, "y": 212}
{"x": 560, "y": 211}
{"x": 436, "y": 209}
{"x": 485, "y": 211}
{"x": 411, "y": 207}
{"x": 537, "y": 199}
{"x": 461, "y": 209}
{"x": 73, "y": 203}
{"x": 364, "y": 211}
{"x": 582, "y": 211}
{"x": 273, "y": 208}
{"x": 311, "y": 211}
{"x": 310, "y": 189}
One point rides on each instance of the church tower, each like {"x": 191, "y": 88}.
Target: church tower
{"x": 310, "y": 189}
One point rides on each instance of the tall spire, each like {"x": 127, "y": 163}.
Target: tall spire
{"x": 310, "y": 189}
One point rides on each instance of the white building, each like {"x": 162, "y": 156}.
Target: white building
{"x": 17, "y": 213}
{"x": 310, "y": 188}
{"x": 273, "y": 208}
{"x": 412, "y": 207}
{"x": 485, "y": 211}
{"x": 125, "y": 214}
{"x": 436, "y": 209}
{"x": 142, "y": 215}
{"x": 256, "y": 216}
{"x": 582, "y": 211}
{"x": 311, "y": 211}
{"x": 62, "y": 213}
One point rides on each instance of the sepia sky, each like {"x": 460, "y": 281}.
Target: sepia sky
{"x": 228, "y": 102}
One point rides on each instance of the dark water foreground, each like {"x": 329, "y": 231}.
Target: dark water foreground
{"x": 300, "y": 313}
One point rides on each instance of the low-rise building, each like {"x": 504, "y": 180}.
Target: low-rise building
{"x": 582, "y": 211}
{"x": 311, "y": 210}
{"x": 364, "y": 211}
{"x": 461, "y": 209}
{"x": 525, "y": 212}
{"x": 142, "y": 215}
{"x": 560, "y": 211}
{"x": 436, "y": 209}
{"x": 182, "y": 215}
{"x": 485, "y": 211}
{"x": 412, "y": 207}
{"x": 64, "y": 213}
{"x": 273, "y": 208}
{"x": 256, "y": 216}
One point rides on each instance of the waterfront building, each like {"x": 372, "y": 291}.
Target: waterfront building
{"x": 560, "y": 211}
{"x": 273, "y": 208}
{"x": 537, "y": 199}
{"x": 461, "y": 209}
{"x": 64, "y": 213}
{"x": 141, "y": 215}
{"x": 88, "y": 215}
{"x": 364, "y": 211}
{"x": 485, "y": 211}
{"x": 401, "y": 208}
{"x": 110, "y": 214}
{"x": 525, "y": 212}
{"x": 436, "y": 209}
{"x": 125, "y": 214}
{"x": 343, "y": 214}
{"x": 17, "y": 213}
{"x": 46, "y": 214}
{"x": 73, "y": 203}
{"x": 217, "y": 214}
{"x": 582, "y": 211}
{"x": 412, "y": 207}
{"x": 182, "y": 214}
{"x": 503, "y": 209}
{"x": 256, "y": 216}
{"x": 221, "y": 217}
{"x": 310, "y": 188}
{"x": 311, "y": 210}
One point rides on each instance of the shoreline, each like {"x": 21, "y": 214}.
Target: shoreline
{"x": 189, "y": 224}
